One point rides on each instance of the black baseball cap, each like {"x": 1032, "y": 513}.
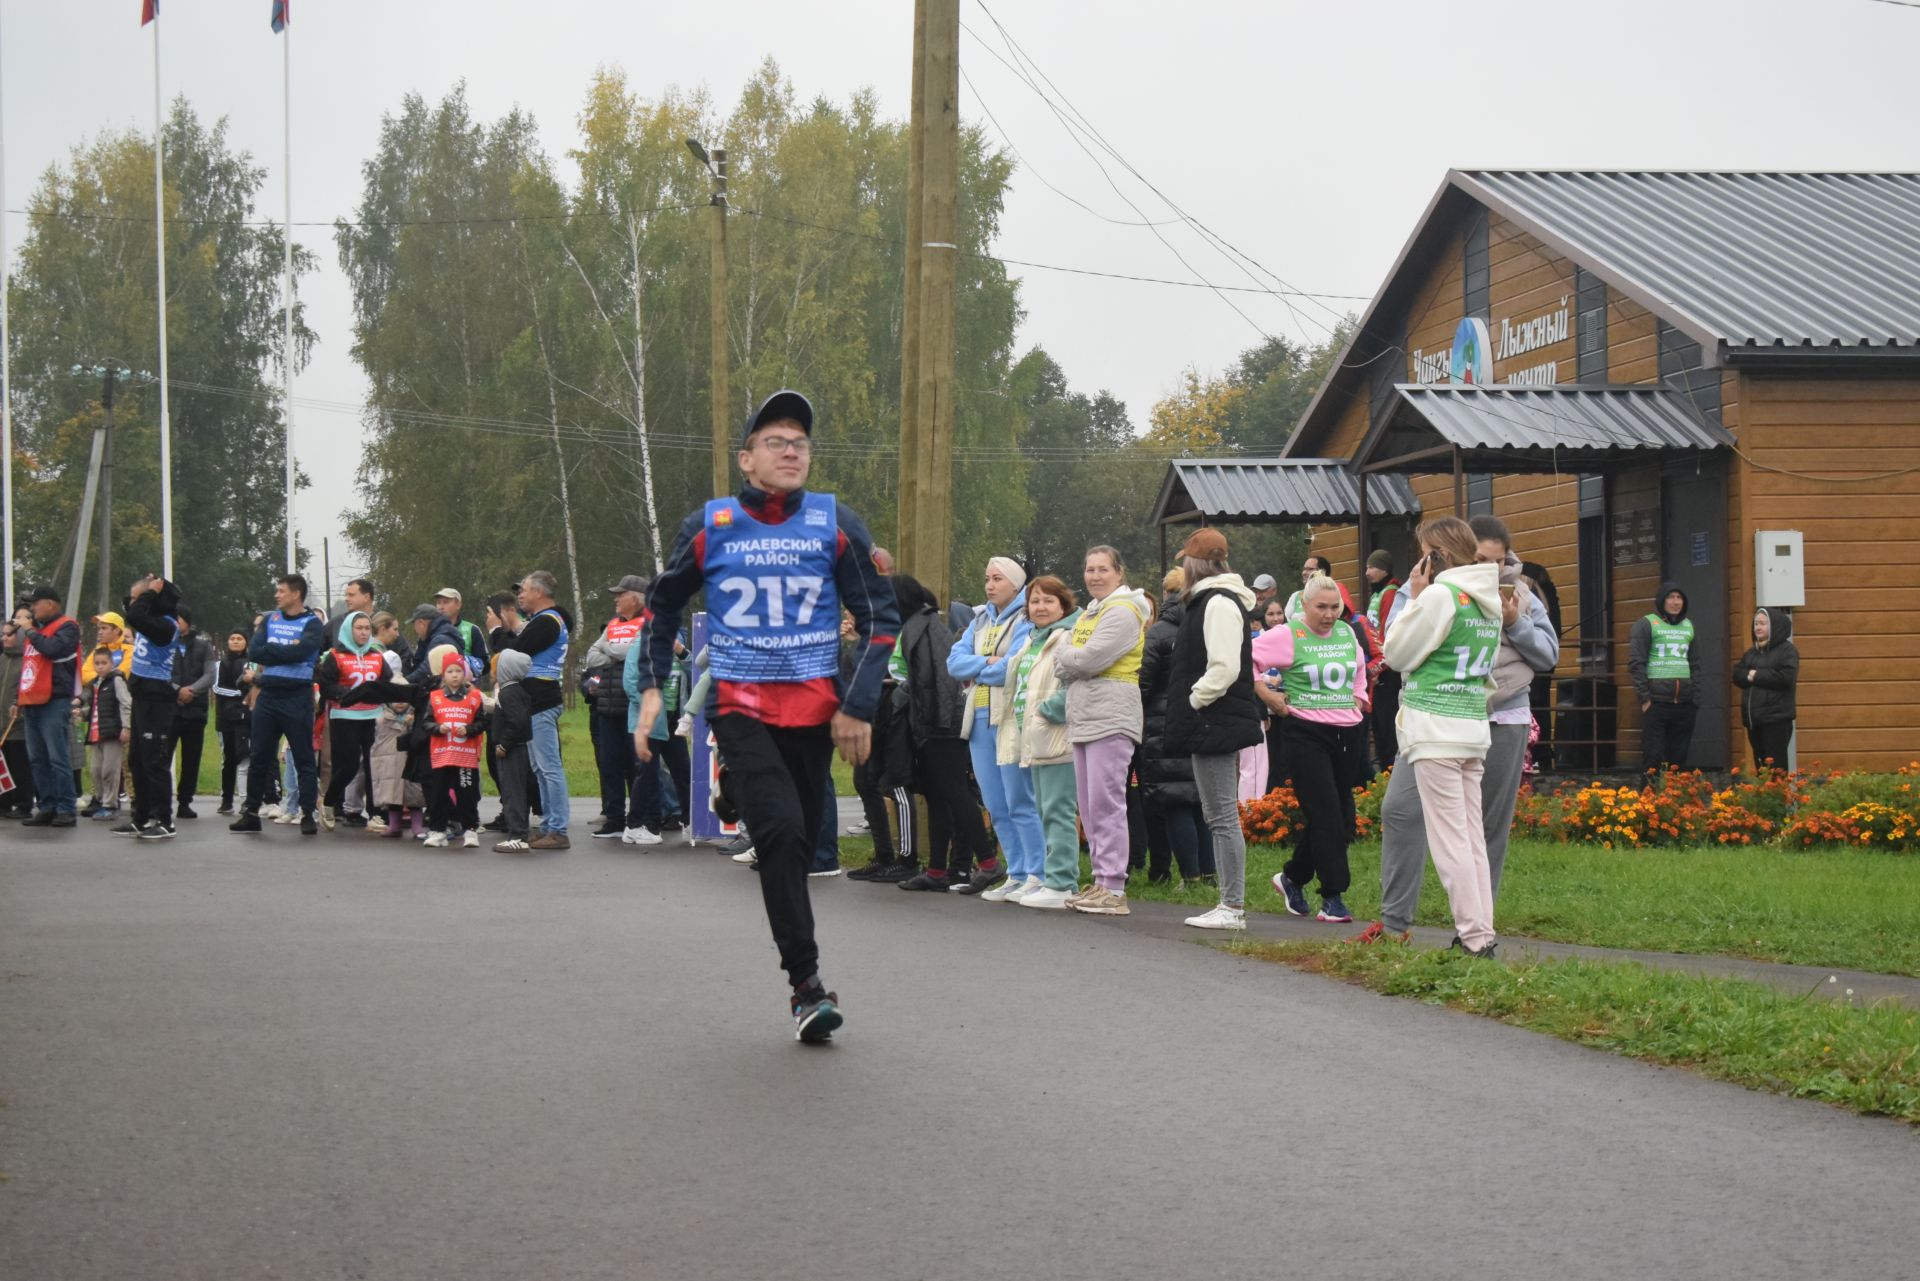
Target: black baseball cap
{"x": 783, "y": 404}
{"x": 46, "y": 593}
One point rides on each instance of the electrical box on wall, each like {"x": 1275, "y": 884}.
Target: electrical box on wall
{"x": 1780, "y": 573}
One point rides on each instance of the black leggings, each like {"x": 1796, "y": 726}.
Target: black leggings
{"x": 958, "y": 839}
{"x": 352, "y": 742}
{"x": 1320, "y": 759}
{"x": 1770, "y": 742}
{"x": 233, "y": 750}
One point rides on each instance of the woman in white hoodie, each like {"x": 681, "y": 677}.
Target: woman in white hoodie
{"x": 1446, "y": 642}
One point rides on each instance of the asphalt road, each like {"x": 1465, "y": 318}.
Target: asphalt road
{"x": 270, "y": 1057}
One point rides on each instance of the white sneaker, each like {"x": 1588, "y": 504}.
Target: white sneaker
{"x": 1220, "y": 918}
{"x": 327, "y": 817}
{"x": 684, "y": 729}
{"x": 1050, "y": 900}
{"x": 999, "y": 893}
{"x": 436, "y": 840}
{"x": 744, "y": 856}
{"x": 287, "y": 818}
{"x": 1025, "y": 888}
{"x": 640, "y": 836}
{"x": 860, "y": 828}
{"x": 270, "y": 813}
{"x": 471, "y": 841}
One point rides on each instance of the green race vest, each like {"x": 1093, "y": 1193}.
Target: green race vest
{"x": 1295, "y": 608}
{"x": 1321, "y": 678}
{"x": 1457, "y": 676}
{"x": 1667, "y": 657}
{"x": 1028, "y": 657}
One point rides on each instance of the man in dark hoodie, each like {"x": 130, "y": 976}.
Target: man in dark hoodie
{"x": 1665, "y": 671}
{"x": 286, "y": 645}
{"x": 153, "y": 616}
{"x": 431, "y": 629}
{"x": 544, "y": 641}
{"x": 1767, "y": 675}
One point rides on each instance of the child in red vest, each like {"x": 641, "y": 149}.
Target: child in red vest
{"x": 456, "y": 713}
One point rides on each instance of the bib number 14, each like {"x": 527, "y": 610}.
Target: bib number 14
{"x": 1467, "y": 662}
{"x": 763, "y": 601}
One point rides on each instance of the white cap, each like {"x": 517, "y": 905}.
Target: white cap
{"x": 447, "y": 593}
{"x": 1264, "y": 583}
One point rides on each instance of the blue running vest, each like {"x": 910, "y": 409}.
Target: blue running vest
{"x": 282, "y": 630}
{"x": 547, "y": 664}
{"x": 773, "y": 608}
{"x": 155, "y": 662}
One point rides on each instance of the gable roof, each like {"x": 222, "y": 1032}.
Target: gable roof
{"x": 1738, "y": 260}
{"x": 1753, "y": 266}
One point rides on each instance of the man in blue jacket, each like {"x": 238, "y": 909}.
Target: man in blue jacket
{"x": 54, "y": 642}
{"x": 286, "y": 645}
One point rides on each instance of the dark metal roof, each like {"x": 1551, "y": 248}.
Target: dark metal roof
{"x": 1237, "y": 491}
{"x": 1751, "y": 260}
{"x": 1530, "y": 429}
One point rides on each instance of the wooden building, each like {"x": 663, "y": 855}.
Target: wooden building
{"x": 1640, "y": 372}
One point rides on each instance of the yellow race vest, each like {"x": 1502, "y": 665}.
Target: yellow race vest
{"x": 1127, "y": 667}
{"x": 986, "y": 639}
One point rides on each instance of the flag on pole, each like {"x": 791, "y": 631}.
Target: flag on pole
{"x": 149, "y": 10}
{"x": 280, "y": 16}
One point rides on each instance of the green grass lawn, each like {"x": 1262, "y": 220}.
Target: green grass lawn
{"x": 1863, "y": 1059}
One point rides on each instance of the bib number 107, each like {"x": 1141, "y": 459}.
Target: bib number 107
{"x": 1469, "y": 662}
{"x": 763, "y": 601}
{"x": 1334, "y": 676}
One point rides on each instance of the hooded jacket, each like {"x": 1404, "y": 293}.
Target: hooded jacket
{"x": 936, "y": 702}
{"x": 1038, "y": 735}
{"x": 1640, "y": 649}
{"x": 1767, "y": 696}
{"x": 440, "y": 631}
{"x": 327, "y": 674}
{"x": 991, "y": 670}
{"x": 513, "y": 707}
{"x": 194, "y": 668}
{"x": 1211, "y": 707}
{"x": 1098, "y": 705}
{"x": 1421, "y": 628}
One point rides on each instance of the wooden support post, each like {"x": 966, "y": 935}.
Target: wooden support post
{"x": 908, "y": 500}
{"x": 933, "y": 465}
{"x": 1364, "y": 536}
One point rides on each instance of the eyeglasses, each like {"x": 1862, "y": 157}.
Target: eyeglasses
{"x": 799, "y": 446}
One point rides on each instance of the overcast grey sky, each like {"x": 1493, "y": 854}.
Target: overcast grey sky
{"x": 1310, "y": 135}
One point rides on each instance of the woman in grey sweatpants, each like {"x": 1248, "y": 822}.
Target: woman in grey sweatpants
{"x": 1528, "y": 646}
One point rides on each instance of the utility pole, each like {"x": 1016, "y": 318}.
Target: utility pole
{"x": 933, "y": 463}
{"x": 106, "y": 496}
{"x": 326, "y": 574}
{"x": 907, "y": 502}
{"x": 717, "y": 291}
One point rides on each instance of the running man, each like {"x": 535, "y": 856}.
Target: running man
{"x": 778, "y": 564}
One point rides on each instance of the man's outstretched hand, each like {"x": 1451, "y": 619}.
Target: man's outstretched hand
{"x": 853, "y": 737}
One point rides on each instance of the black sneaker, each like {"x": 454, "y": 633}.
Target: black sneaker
{"x": 673, "y": 823}
{"x": 184, "y": 810}
{"x": 247, "y": 822}
{"x": 816, "y": 1013}
{"x": 308, "y": 827}
{"x": 983, "y": 878}
{"x": 870, "y": 872}
{"x": 1479, "y": 954}
{"x": 925, "y": 881}
{"x": 496, "y": 825}
{"x": 129, "y": 828}
{"x": 39, "y": 818}
{"x": 894, "y": 873}
{"x": 353, "y": 820}
{"x": 609, "y": 831}
{"x": 741, "y": 844}
{"x": 158, "y": 830}
{"x": 226, "y": 807}
{"x": 62, "y": 820}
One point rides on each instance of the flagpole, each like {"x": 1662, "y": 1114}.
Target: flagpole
{"x": 286, "y": 366}
{"x": 6, "y": 361}
{"x": 160, "y": 257}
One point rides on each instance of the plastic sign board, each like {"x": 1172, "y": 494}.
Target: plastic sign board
{"x": 1472, "y": 357}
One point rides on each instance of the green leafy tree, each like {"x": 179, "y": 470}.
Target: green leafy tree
{"x": 83, "y": 292}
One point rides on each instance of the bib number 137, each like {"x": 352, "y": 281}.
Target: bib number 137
{"x": 763, "y": 602}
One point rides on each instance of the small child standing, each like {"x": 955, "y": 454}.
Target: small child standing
{"x": 512, "y": 738}
{"x": 456, "y": 715}
{"x": 109, "y": 728}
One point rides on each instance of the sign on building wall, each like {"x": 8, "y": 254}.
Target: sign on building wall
{"x": 1470, "y": 358}
{"x": 1636, "y": 536}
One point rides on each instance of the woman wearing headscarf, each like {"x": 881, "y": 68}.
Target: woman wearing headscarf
{"x": 981, "y": 659}
{"x": 1100, "y": 666}
{"x": 1766, "y": 676}
{"x": 354, "y": 660}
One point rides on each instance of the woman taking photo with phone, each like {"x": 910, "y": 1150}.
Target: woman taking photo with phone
{"x": 1446, "y": 641}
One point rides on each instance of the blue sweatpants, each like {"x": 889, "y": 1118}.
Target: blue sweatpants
{"x": 1008, "y": 792}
